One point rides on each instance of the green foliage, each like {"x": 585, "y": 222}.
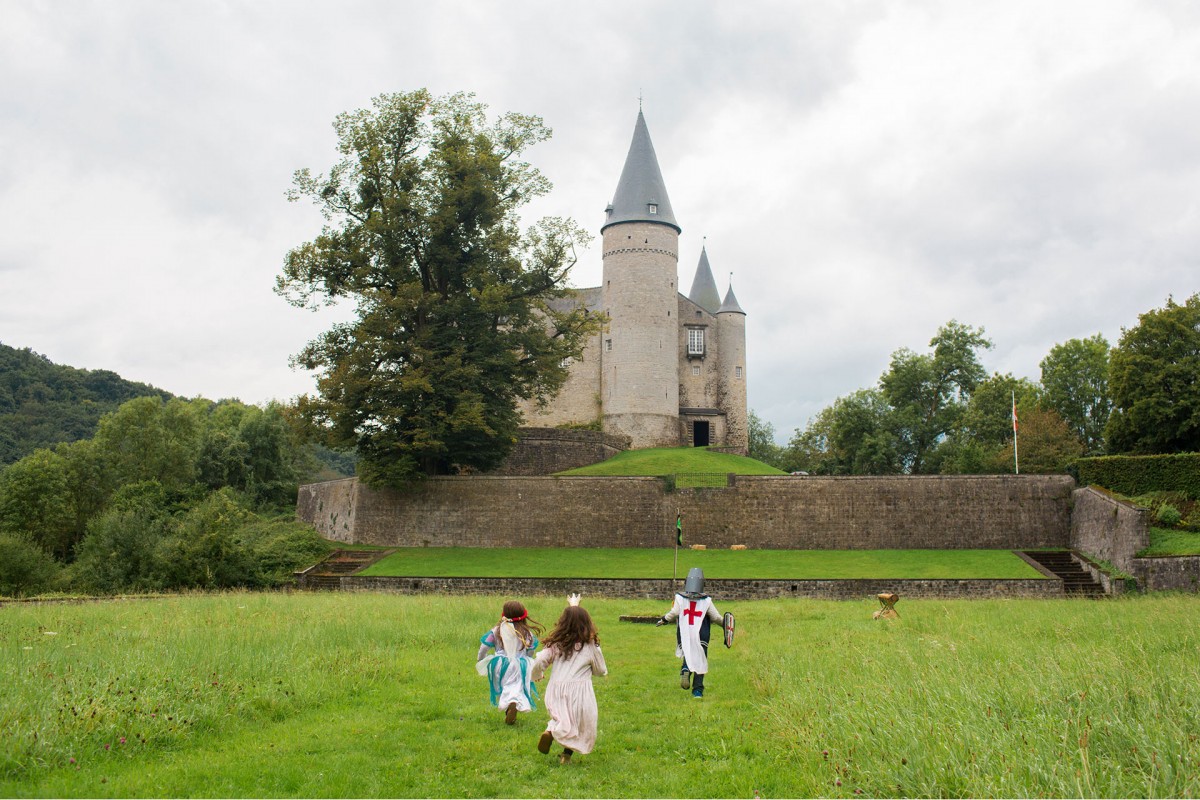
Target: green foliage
{"x": 1075, "y": 381}
{"x": 1046, "y": 444}
{"x": 854, "y": 436}
{"x": 43, "y": 404}
{"x": 928, "y": 393}
{"x": 1154, "y": 378}
{"x": 1139, "y": 475}
{"x": 25, "y": 568}
{"x": 456, "y": 320}
{"x": 36, "y": 502}
{"x": 1166, "y": 542}
{"x": 1168, "y": 515}
{"x": 762, "y": 446}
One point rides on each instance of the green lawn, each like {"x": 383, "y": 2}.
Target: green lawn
{"x": 550, "y": 562}
{"x": 367, "y": 695}
{"x": 673, "y": 460}
{"x": 1167, "y": 542}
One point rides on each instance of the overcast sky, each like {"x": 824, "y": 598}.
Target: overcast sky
{"x": 866, "y": 170}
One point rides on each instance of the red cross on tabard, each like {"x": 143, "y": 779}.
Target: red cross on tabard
{"x": 691, "y": 613}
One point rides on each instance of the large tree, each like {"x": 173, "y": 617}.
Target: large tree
{"x": 928, "y": 392}
{"x": 1075, "y": 380}
{"x": 456, "y": 319}
{"x": 1154, "y": 379}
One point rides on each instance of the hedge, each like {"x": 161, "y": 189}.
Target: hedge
{"x": 1138, "y": 475}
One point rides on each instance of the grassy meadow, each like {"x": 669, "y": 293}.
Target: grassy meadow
{"x": 554, "y": 562}
{"x": 365, "y": 695}
{"x": 671, "y": 460}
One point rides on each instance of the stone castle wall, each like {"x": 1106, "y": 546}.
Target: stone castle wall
{"x": 783, "y": 512}
{"x": 1108, "y": 529}
{"x": 545, "y": 451}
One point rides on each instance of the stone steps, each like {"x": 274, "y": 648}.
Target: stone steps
{"x": 326, "y": 574}
{"x": 1077, "y": 581}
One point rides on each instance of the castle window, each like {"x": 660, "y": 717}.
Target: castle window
{"x": 695, "y": 342}
{"x": 653, "y": 208}
{"x": 608, "y": 344}
{"x": 737, "y": 372}
{"x": 696, "y": 370}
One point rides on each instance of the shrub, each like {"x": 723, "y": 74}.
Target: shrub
{"x": 1135, "y": 475}
{"x": 25, "y": 568}
{"x": 120, "y": 551}
{"x": 1168, "y": 515}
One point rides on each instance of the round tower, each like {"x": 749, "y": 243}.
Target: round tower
{"x": 639, "y": 353}
{"x": 731, "y": 324}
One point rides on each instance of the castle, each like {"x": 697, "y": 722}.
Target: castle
{"x": 668, "y": 369}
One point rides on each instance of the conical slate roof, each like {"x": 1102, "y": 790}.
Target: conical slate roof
{"x": 730, "y": 305}
{"x": 704, "y": 288}
{"x": 641, "y": 194}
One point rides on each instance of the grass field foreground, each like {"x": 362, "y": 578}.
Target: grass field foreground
{"x": 673, "y": 460}
{"x": 555, "y": 562}
{"x": 364, "y": 695}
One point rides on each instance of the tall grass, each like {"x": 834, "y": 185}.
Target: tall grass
{"x": 369, "y": 695}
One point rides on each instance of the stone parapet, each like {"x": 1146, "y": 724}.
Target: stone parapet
{"x": 1108, "y": 529}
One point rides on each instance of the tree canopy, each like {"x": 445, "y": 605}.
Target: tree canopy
{"x": 1154, "y": 378}
{"x": 455, "y": 314}
{"x": 1075, "y": 381}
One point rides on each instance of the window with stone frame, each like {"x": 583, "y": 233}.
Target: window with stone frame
{"x": 695, "y": 346}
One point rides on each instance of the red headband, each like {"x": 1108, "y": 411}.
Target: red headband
{"x": 524, "y": 614}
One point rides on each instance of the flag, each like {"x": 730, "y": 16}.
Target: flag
{"x": 679, "y": 530}
{"x": 1014, "y": 416}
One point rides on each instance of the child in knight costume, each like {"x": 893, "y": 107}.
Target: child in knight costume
{"x": 508, "y": 670}
{"x": 695, "y": 612}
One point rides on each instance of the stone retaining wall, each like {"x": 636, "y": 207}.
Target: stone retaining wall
{"x": 1167, "y": 573}
{"x": 721, "y": 590}
{"x": 1108, "y": 529}
{"x": 767, "y": 512}
{"x": 545, "y": 451}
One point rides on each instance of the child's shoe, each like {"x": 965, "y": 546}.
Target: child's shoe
{"x": 685, "y": 680}
{"x": 698, "y": 694}
{"x": 510, "y": 716}
{"x": 565, "y": 757}
{"x": 545, "y": 742}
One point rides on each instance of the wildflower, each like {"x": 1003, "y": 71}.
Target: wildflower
{"x": 122, "y": 741}
{"x": 106, "y": 745}
{"x": 71, "y": 760}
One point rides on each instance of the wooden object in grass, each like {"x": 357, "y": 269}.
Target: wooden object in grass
{"x": 699, "y": 547}
{"x": 737, "y": 547}
{"x": 887, "y": 602}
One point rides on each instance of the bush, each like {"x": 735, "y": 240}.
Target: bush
{"x": 1168, "y": 515}
{"x": 25, "y": 568}
{"x": 1137, "y": 475}
{"x": 120, "y": 551}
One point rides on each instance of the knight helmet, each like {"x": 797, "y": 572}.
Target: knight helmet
{"x": 694, "y": 585}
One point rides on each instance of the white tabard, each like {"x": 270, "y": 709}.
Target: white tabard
{"x": 691, "y": 614}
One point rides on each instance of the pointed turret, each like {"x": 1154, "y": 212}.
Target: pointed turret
{"x": 730, "y": 304}
{"x": 641, "y": 193}
{"x": 704, "y": 288}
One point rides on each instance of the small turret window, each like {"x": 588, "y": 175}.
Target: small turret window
{"x": 737, "y": 372}
{"x": 653, "y": 208}
{"x": 608, "y": 344}
{"x": 696, "y": 370}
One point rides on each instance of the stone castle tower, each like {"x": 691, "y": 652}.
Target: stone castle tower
{"x": 668, "y": 370}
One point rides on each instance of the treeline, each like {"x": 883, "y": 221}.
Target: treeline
{"x": 168, "y": 494}
{"x": 43, "y": 404}
{"x": 940, "y": 412}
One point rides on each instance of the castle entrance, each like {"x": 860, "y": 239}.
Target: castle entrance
{"x": 700, "y": 435}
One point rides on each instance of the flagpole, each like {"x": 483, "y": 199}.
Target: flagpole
{"x": 678, "y": 536}
{"x": 1016, "y": 461}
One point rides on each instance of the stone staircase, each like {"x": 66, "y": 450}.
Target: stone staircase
{"x": 1077, "y": 581}
{"x": 327, "y": 573}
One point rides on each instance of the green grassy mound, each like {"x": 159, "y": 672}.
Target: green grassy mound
{"x": 1168, "y": 542}
{"x": 555, "y": 562}
{"x": 674, "y": 460}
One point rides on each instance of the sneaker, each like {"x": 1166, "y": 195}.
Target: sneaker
{"x": 564, "y": 757}
{"x": 545, "y": 742}
{"x": 685, "y": 680}
{"x": 510, "y": 716}
{"x": 698, "y": 694}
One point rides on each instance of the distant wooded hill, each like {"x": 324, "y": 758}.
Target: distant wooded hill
{"x": 43, "y": 403}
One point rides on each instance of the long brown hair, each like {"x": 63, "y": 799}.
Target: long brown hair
{"x": 573, "y": 629}
{"x": 525, "y": 627}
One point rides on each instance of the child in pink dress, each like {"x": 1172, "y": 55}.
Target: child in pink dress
{"x": 573, "y": 647}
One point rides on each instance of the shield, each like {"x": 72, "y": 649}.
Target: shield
{"x": 728, "y": 622}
